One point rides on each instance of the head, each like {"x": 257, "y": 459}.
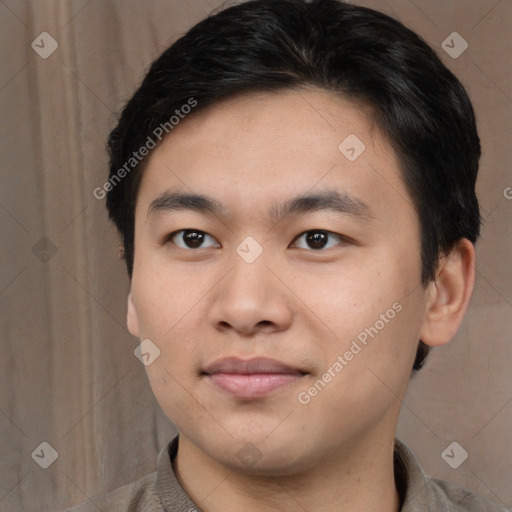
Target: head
{"x": 261, "y": 104}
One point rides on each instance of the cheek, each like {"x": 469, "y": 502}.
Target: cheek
{"x": 165, "y": 297}
{"x": 366, "y": 372}
{"x": 340, "y": 298}
{"x": 166, "y": 305}
{"x": 368, "y": 303}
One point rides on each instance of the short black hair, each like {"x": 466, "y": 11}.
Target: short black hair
{"x": 354, "y": 52}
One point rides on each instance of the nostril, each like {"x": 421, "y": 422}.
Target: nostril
{"x": 264, "y": 323}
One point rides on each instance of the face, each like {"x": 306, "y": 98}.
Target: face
{"x": 278, "y": 273}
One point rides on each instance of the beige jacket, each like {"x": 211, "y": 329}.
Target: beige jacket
{"x": 161, "y": 492}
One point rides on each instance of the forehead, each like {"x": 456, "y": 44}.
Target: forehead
{"x": 259, "y": 149}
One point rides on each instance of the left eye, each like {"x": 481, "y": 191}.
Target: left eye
{"x": 192, "y": 239}
{"x": 317, "y": 239}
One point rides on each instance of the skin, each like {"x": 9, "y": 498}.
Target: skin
{"x": 296, "y": 304}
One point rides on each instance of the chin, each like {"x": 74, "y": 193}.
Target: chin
{"x": 269, "y": 463}
{"x": 258, "y": 453}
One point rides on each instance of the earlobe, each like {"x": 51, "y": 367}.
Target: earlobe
{"x": 449, "y": 295}
{"x": 132, "y": 319}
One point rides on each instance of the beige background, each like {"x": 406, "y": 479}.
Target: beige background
{"x": 67, "y": 369}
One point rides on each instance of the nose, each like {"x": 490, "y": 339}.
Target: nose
{"x": 251, "y": 299}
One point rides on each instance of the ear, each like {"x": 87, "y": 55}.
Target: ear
{"x": 449, "y": 294}
{"x": 132, "y": 319}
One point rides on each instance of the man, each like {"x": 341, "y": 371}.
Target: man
{"x": 294, "y": 184}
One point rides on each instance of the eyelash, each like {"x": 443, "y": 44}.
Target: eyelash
{"x": 330, "y": 234}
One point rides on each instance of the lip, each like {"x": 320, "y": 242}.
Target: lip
{"x": 253, "y": 378}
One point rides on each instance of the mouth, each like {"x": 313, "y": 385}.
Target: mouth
{"x": 253, "y": 378}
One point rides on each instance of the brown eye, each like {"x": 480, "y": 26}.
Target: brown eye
{"x": 317, "y": 239}
{"x": 192, "y": 239}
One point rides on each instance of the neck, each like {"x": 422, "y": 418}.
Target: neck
{"x": 357, "y": 479}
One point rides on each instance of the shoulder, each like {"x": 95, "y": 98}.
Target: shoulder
{"x": 159, "y": 491}
{"x": 421, "y": 492}
{"x": 461, "y": 499}
{"x": 139, "y": 496}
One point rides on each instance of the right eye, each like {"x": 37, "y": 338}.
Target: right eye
{"x": 191, "y": 239}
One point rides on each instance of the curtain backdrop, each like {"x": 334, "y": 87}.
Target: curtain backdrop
{"x": 69, "y": 377}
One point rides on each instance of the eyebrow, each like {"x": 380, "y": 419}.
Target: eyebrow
{"x": 324, "y": 200}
